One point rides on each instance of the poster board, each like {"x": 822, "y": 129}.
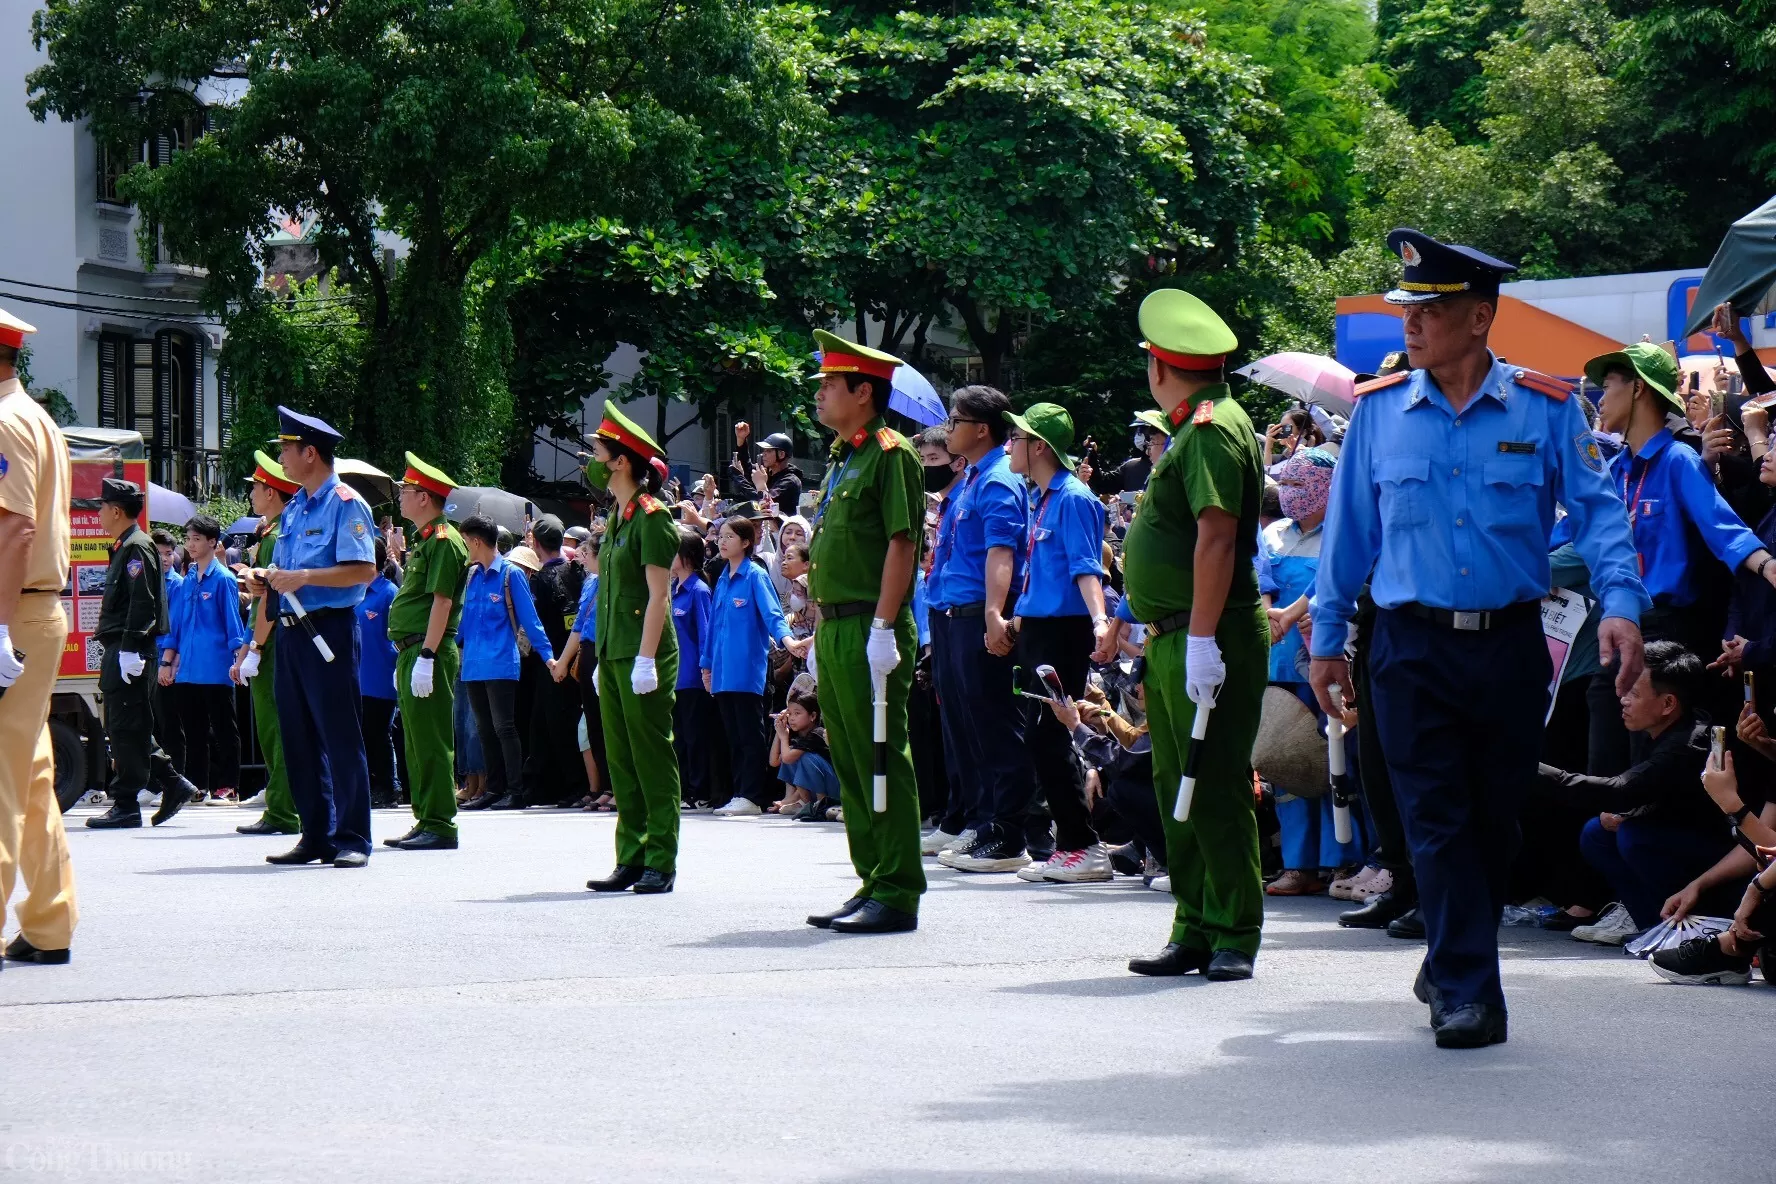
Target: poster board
{"x": 93, "y": 454}
{"x": 1563, "y": 614}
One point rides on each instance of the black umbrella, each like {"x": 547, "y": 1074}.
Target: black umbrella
{"x": 1741, "y": 271}
{"x": 506, "y": 509}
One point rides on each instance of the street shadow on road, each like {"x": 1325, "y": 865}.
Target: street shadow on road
{"x": 761, "y": 939}
{"x": 1117, "y": 987}
{"x": 233, "y": 869}
{"x": 542, "y": 897}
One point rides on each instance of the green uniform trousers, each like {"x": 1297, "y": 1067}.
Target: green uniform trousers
{"x": 884, "y": 847}
{"x": 1212, "y": 858}
{"x": 428, "y": 727}
{"x": 280, "y": 807}
{"x": 643, "y": 765}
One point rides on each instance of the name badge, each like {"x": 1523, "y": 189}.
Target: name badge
{"x": 315, "y": 530}
{"x": 1517, "y": 447}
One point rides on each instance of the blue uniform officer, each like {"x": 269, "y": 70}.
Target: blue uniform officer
{"x": 1446, "y": 491}
{"x": 325, "y": 557}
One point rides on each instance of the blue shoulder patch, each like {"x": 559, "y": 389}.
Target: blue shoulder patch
{"x": 1590, "y": 455}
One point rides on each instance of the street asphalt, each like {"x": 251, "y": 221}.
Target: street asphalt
{"x": 478, "y": 1016}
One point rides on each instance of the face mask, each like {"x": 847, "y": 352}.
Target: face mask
{"x": 938, "y": 478}
{"x": 797, "y": 603}
{"x": 598, "y": 474}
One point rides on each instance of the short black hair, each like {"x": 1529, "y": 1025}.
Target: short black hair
{"x": 480, "y": 526}
{"x": 130, "y": 504}
{"x": 880, "y": 388}
{"x": 1674, "y": 670}
{"x": 1270, "y": 502}
{"x": 162, "y": 538}
{"x": 807, "y": 700}
{"x": 9, "y": 355}
{"x": 985, "y": 403}
{"x": 691, "y": 552}
{"x": 935, "y": 436}
{"x": 744, "y": 529}
{"x": 382, "y": 553}
{"x": 645, "y": 474}
{"x": 205, "y": 525}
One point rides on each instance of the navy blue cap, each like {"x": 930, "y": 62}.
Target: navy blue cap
{"x": 121, "y": 493}
{"x": 1438, "y": 271}
{"x": 293, "y": 426}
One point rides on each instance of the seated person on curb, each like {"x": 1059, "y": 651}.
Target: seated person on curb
{"x": 801, "y": 758}
{"x": 1655, "y": 828}
{"x": 1118, "y": 758}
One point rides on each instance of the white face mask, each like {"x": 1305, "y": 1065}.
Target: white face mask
{"x": 797, "y": 603}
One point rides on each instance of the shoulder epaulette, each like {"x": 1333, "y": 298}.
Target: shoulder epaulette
{"x": 1376, "y": 384}
{"x": 1205, "y": 413}
{"x": 346, "y": 493}
{"x": 887, "y": 439}
{"x": 1545, "y": 384}
{"x": 648, "y": 504}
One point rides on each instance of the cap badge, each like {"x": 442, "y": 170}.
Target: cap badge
{"x": 1409, "y": 254}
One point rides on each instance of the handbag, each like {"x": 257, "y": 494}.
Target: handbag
{"x": 1289, "y": 751}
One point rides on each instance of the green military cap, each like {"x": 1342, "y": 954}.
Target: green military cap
{"x": 1153, "y": 420}
{"x": 620, "y": 429}
{"x": 430, "y": 478}
{"x": 1653, "y": 363}
{"x": 1184, "y": 332}
{"x": 271, "y": 473}
{"x": 1050, "y": 423}
{"x": 838, "y": 356}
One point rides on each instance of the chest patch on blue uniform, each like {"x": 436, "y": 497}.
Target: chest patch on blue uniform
{"x": 1517, "y": 447}
{"x": 739, "y": 602}
{"x": 1589, "y": 453}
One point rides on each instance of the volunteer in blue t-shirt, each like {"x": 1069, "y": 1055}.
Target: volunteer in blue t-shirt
{"x": 199, "y": 650}
{"x": 376, "y": 681}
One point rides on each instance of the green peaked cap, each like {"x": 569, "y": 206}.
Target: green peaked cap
{"x": 838, "y": 356}
{"x": 1653, "y": 363}
{"x": 1153, "y": 418}
{"x": 1175, "y": 322}
{"x": 272, "y": 473}
{"x": 1050, "y": 423}
{"x": 620, "y": 429}
{"x": 428, "y": 477}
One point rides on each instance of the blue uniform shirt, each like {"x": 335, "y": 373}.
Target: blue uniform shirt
{"x": 690, "y": 621}
{"x": 376, "y": 653}
{"x": 174, "y": 601}
{"x": 991, "y": 510}
{"x": 489, "y": 649}
{"x": 940, "y": 549}
{"x": 330, "y": 527}
{"x": 1679, "y": 518}
{"x": 586, "y": 616}
{"x": 1064, "y": 540}
{"x": 1454, "y": 511}
{"x": 207, "y": 627}
{"x": 745, "y": 617}
{"x": 921, "y": 608}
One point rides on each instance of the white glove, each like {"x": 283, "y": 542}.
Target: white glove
{"x": 813, "y": 673}
{"x": 1204, "y": 671}
{"x": 10, "y": 666}
{"x": 249, "y": 666}
{"x": 644, "y": 678}
{"x": 598, "y": 677}
{"x": 881, "y": 651}
{"x": 130, "y": 665}
{"x": 421, "y": 680}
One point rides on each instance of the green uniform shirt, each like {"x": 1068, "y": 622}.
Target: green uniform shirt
{"x": 262, "y": 553}
{"x": 874, "y": 489}
{"x": 134, "y": 610}
{"x": 640, "y": 536}
{"x": 1213, "y": 461}
{"x": 438, "y": 565}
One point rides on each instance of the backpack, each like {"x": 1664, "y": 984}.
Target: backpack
{"x": 524, "y": 646}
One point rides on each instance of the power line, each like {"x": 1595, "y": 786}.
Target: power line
{"x": 105, "y": 295}
{"x": 126, "y": 313}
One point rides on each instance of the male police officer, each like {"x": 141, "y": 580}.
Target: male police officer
{"x": 272, "y": 489}
{"x": 131, "y": 616}
{"x": 1446, "y": 490}
{"x": 422, "y": 622}
{"x": 1187, "y": 567}
{"x": 867, "y": 531}
{"x": 326, "y": 555}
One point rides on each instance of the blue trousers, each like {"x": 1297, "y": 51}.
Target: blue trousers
{"x": 983, "y": 726}
{"x": 1645, "y": 862}
{"x": 1460, "y": 717}
{"x": 317, "y": 704}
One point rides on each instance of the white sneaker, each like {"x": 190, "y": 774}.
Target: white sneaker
{"x": 962, "y": 840}
{"x": 1037, "y": 873}
{"x": 257, "y": 799}
{"x": 1613, "y": 928}
{"x": 739, "y": 808}
{"x": 1161, "y": 884}
{"x": 1090, "y": 866}
{"x": 935, "y": 841}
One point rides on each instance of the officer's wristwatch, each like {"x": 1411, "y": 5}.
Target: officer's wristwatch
{"x": 256, "y": 647}
{"x": 427, "y": 653}
{"x": 879, "y": 623}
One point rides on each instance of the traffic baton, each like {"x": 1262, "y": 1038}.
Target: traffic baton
{"x": 1187, "y": 783}
{"x": 879, "y": 692}
{"x": 301, "y": 615}
{"x": 1341, "y": 787}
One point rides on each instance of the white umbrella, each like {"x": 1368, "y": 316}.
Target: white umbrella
{"x": 174, "y": 509}
{"x": 1308, "y": 377}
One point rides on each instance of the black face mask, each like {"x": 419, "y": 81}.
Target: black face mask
{"x": 938, "y": 478}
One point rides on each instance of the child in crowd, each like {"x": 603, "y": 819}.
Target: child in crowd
{"x": 802, "y": 760}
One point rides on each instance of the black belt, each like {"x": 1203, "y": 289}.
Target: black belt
{"x": 1171, "y": 624}
{"x": 1475, "y": 622}
{"x": 403, "y": 644}
{"x": 977, "y": 609}
{"x": 317, "y": 615}
{"x": 853, "y": 608}
{"x": 40, "y": 591}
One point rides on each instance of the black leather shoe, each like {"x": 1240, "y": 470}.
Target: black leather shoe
{"x": 1426, "y": 992}
{"x": 402, "y": 839}
{"x": 263, "y": 827}
{"x": 620, "y": 880}
{"x": 872, "y": 916}
{"x": 173, "y": 797}
{"x": 351, "y": 859}
{"x": 118, "y": 817}
{"x": 425, "y": 840}
{"x": 825, "y": 920}
{"x": 1379, "y": 910}
{"x": 511, "y": 801}
{"x": 1472, "y": 1025}
{"x": 1174, "y": 959}
{"x": 1229, "y": 966}
{"x": 300, "y": 854}
{"x": 653, "y": 882}
{"x": 23, "y": 951}
{"x": 480, "y": 803}
{"x": 1409, "y": 925}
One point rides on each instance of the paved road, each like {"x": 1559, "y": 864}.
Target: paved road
{"x": 479, "y": 1017}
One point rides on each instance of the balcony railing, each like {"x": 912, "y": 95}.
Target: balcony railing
{"x": 194, "y": 472}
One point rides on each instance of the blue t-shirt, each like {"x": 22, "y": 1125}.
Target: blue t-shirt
{"x": 745, "y": 617}
{"x": 690, "y": 621}
{"x": 206, "y": 624}
{"x": 489, "y": 648}
{"x": 1065, "y": 540}
{"x": 991, "y": 510}
{"x": 376, "y": 653}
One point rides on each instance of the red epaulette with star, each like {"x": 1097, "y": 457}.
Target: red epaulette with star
{"x": 1205, "y": 413}
{"x": 649, "y": 505}
{"x": 886, "y": 439}
{"x": 1542, "y": 384}
{"x": 1385, "y": 381}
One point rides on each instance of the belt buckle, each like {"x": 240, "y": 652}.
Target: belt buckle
{"x": 1469, "y": 622}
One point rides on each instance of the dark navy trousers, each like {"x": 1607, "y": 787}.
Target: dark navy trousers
{"x": 983, "y": 726}
{"x": 317, "y": 705}
{"x": 1460, "y": 718}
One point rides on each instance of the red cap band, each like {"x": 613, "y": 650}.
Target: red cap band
{"x": 13, "y": 337}
{"x": 611, "y": 430}
{"x": 1187, "y": 361}
{"x": 284, "y": 486}
{"x": 415, "y": 477}
{"x": 837, "y": 362}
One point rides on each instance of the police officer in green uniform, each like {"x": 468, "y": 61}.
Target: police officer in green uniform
{"x": 637, "y": 655}
{"x": 1188, "y": 573}
{"x": 868, "y": 527}
{"x": 422, "y": 622}
{"x": 271, "y": 489}
{"x": 132, "y": 614}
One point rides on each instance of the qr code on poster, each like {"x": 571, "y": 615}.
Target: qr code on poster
{"x": 95, "y": 655}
